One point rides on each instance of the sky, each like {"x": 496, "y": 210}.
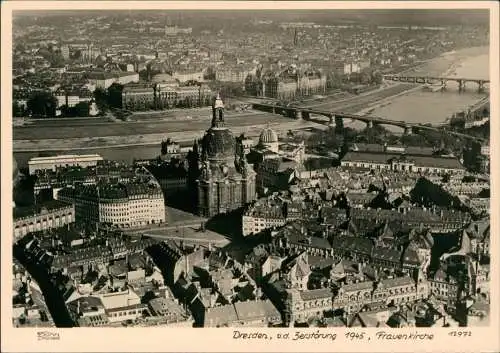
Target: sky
{"x": 381, "y": 17}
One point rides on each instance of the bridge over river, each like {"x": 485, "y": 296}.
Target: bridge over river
{"x": 337, "y": 119}
{"x": 481, "y": 83}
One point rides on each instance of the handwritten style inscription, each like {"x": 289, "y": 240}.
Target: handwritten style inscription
{"x": 350, "y": 336}
{"x": 47, "y": 335}
{"x": 294, "y": 336}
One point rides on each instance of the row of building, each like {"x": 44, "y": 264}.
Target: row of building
{"x": 164, "y": 95}
{"x": 397, "y": 158}
{"x": 285, "y": 85}
{"x": 109, "y": 284}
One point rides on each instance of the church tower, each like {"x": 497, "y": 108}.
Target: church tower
{"x": 226, "y": 182}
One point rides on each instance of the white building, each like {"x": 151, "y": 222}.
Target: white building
{"x": 51, "y": 216}
{"x": 105, "y": 79}
{"x": 126, "y": 205}
{"x": 43, "y": 163}
{"x": 188, "y": 75}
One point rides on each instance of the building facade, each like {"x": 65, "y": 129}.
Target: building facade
{"x": 403, "y": 163}
{"x": 126, "y": 205}
{"x": 104, "y": 80}
{"x": 138, "y": 97}
{"x": 56, "y": 215}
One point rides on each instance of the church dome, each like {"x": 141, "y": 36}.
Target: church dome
{"x": 219, "y": 144}
{"x": 267, "y": 136}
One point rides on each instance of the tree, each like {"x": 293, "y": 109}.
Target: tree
{"x": 355, "y": 77}
{"x": 82, "y": 109}
{"x": 77, "y": 54}
{"x": 115, "y": 95}
{"x": 56, "y": 60}
{"x": 18, "y": 110}
{"x": 365, "y": 78}
{"x": 101, "y": 99}
{"x": 377, "y": 78}
{"x": 473, "y": 159}
{"x": 42, "y": 104}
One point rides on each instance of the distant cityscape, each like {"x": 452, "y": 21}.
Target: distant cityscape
{"x": 208, "y": 169}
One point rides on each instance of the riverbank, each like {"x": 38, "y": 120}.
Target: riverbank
{"x": 89, "y": 143}
{"x": 419, "y": 106}
{"x": 152, "y": 132}
{"x": 444, "y": 64}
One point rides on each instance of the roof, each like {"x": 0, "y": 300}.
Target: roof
{"x": 360, "y": 198}
{"x": 166, "y": 305}
{"x": 312, "y": 242}
{"x": 334, "y": 322}
{"x": 220, "y": 316}
{"x": 358, "y": 244}
{"x": 279, "y": 164}
{"x": 397, "y": 282}
{"x": 437, "y": 162}
{"x": 410, "y": 256}
{"x": 368, "y": 147}
{"x": 118, "y": 268}
{"x": 65, "y": 157}
{"x": 118, "y": 299}
{"x": 86, "y": 304}
{"x": 386, "y": 254}
{"x": 368, "y": 157}
{"x": 365, "y": 319}
{"x": 47, "y": 206}
{"x": 252, "y": 310}
{"x": 418, "y": 160}
{"x": 93, "y": 321}
{"x": 127, "y": 307}
{"x": 353, "y": 287}
{"x": 322, "y": 293}
{"x": 480, "y": 305}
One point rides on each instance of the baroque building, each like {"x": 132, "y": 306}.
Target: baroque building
{"x": 225, "y": 180}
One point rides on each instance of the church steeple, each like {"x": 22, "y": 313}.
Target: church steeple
{"x": 218, "y": 112}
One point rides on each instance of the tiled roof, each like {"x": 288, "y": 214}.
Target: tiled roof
{"x": 419, "y": 161}
{"x": 397, "y": 282}
{"x": 313, "y": 242}
{"x": 358, "y": 244}
{"x": 252, "y": 310}
{"x": 386, "y": 254}
{"x": 220, "y": 316}
{"x": 314, "y": 294}
{"x": 49, "y": 206}
{"x": 354, "y": 287}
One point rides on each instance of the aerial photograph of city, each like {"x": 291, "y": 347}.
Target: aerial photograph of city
{"x": 250, "y": 168}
